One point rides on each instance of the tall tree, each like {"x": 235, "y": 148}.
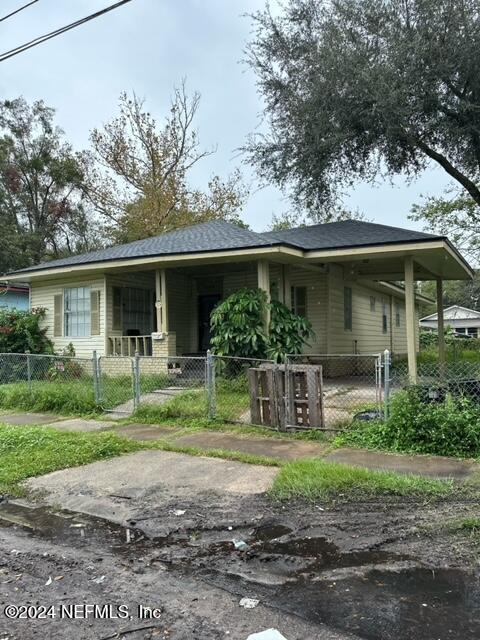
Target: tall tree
{"x": 355, "y": 89}
{"x": 41, "y": 188}
{"x": 456, "y": 215}
{"x": 140, "y": 183}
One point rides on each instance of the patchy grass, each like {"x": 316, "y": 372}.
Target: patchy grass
{"x": 467, "y": 525}
{"x": 34, "y": 451}
{"x": 315, "y": 479}
{"x": 237, "y": 456}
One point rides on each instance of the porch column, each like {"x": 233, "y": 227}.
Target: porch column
{"x": 410, "y": 320}
{"x": 264, "y": 284}
{"x": 161, "y": 300}
{"x": 441, "y": 327}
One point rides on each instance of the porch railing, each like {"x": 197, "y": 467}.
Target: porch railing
{"x": 129, "y": 345}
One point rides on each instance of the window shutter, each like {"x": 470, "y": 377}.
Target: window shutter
{"x": 57, "y": 315}
{"x": 95, "y": 313}
{"x": 117, "y": 309}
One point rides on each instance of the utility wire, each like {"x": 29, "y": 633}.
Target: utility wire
{"x": 9, "y": 15}
{"x": 52, "y": 34}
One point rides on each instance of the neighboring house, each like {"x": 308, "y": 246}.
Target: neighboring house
{"x": 14, "y": 296}
{"x": 460, "y": 319}
{"x": 156, "y": 295}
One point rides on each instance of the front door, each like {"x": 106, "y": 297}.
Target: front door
{"x": 206, "y": 304}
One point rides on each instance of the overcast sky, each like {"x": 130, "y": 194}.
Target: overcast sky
{"x": 148, "y": 46}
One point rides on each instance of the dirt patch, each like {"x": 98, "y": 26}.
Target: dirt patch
{"x": 366, "y": 570}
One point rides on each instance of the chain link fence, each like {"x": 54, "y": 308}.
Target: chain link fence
{"x": 436, "y": 380}
{"x": 306, "y": 392}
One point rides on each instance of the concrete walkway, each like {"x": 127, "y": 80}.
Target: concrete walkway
{"x": 277, "y": 448}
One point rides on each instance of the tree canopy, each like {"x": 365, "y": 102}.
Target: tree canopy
{"x": 139, "y": 172}
{"x": 42, "y": 209}
{"x": 356, "y": 89}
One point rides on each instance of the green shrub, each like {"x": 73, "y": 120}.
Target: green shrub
{"x": 450, "y": 428}
{"x": 238, "y": 327}
{"x": 289, "y": 332}
{"x": 20, "y": 332}
{"x": 428, "y": 339}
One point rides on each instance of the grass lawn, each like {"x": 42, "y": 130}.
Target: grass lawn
{"x": 33, "y": 451}
{"x": 316, "y": 479}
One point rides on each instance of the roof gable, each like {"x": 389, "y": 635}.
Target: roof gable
{"x": 455, "y": 312}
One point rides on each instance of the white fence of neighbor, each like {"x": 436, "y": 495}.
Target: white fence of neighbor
{"x": 314, "y": 391}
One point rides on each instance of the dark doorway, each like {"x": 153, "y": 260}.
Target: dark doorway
{"x": 206, "y": 304}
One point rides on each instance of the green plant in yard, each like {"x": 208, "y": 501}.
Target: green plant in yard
{"x": 20, "y": 332}
{"x": 33, "y": 451}
{"x": 288, "y": 333}
{"x": 315, "y": 479}
{"x": 414, "y": 425}
{"x": 238, "y": 327}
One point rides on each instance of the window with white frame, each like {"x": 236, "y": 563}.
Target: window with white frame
{"x": 372, "y": 303}
{"x": 76, "y": 310}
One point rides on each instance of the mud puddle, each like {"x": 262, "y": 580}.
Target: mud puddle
{"x": 375, "y": 594}
{"x": 67, "y": 527}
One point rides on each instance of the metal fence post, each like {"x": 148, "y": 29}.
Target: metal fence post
{"x": 96, "y": 377}
{"x": 386, "y": 381}
{"x": 29, "y": 371}
{"x": 136, "y": 380}
{"x": 210, "y": 375}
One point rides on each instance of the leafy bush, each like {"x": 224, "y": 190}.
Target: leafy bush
{"x": 289, "y": 332}
{"x": 450, "y": 427}
{"x": 428, "y": 339}
{"x": 238, "y": 327}
{"x": 20, "y": 332}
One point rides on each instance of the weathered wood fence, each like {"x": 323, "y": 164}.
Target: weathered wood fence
{"x": 287, "y": 397}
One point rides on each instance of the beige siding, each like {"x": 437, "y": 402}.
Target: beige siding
{"x": 367, "y": 334}
{"x": 317, "y": 305}
{"x": 239, "y": 280}
{"x": 42, "y": 295}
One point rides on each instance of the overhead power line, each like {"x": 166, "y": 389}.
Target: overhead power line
{"x": 9, "y": 15}
{"x": 58, "y": 32}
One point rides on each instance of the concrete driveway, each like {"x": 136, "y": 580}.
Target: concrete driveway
{"x": 121, "y": 489}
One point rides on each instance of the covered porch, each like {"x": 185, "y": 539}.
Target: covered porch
{"x": 166, "y": 312}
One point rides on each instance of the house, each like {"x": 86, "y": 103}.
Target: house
{"x": 155, "y": 295}
{"x": 14, "y": 296}
{"x": 460, "y": 319}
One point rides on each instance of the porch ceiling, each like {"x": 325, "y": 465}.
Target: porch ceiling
{"x": 382, "y": 263}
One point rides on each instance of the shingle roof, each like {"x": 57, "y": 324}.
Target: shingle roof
{"x": 346, "y": 233}
{"x": 219, "y": 235}
{"x": 208, "y": 236}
